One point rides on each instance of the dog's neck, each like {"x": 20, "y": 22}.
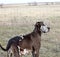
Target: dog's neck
{"x": 37, "y": 30}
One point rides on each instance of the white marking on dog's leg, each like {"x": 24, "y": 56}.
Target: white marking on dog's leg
{"x": 9, "y": 53}
{"x": 19, "y": 50}
{"x": 35, "y": 52}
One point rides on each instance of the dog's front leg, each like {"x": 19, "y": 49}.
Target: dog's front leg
{"x": 35, "y": 53}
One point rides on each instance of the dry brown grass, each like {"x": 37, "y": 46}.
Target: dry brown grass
{"x": 20, "y": 20}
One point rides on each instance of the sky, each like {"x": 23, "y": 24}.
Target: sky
{"x": 25, "y": 1}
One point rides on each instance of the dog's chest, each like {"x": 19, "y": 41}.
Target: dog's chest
{"x": 25, "y": 51}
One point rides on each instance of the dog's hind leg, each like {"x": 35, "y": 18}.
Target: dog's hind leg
{"x": 15, "y": 51}
{"x": 9, "y": 53}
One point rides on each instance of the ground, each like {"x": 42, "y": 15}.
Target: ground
{"x": 20, "y": 20}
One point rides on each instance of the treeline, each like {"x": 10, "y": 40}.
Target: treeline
{"x": 29, "y": 4}
{"x": 43, "y": 3}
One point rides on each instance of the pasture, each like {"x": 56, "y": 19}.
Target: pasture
{"x": 20, "y": 20}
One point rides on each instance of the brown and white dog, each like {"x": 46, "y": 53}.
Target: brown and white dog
{"x": 27, "y": 43}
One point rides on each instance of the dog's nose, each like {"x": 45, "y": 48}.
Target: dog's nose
{"x": 48, "y": 28}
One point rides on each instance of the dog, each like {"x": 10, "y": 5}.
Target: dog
{"x": 27, "y": 43}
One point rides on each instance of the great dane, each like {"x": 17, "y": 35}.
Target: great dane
{"x": 27, "y": 43}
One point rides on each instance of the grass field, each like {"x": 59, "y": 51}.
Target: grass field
{"x": 20, "y": 20}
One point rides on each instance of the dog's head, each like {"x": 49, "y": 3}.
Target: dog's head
{"x": 42, "y": 27}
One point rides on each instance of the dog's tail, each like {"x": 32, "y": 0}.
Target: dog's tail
{"x": 7, "y": 47}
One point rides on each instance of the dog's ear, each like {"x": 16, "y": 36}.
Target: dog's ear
{"x": 38, "y": 24}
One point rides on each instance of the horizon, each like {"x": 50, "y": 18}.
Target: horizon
{"x": 26, "y": 1}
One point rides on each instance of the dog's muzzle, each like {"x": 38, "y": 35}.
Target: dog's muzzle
{"x": 44, "y": 29}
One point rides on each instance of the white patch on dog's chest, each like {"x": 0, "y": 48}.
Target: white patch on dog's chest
{"x": 24, "y": 51}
